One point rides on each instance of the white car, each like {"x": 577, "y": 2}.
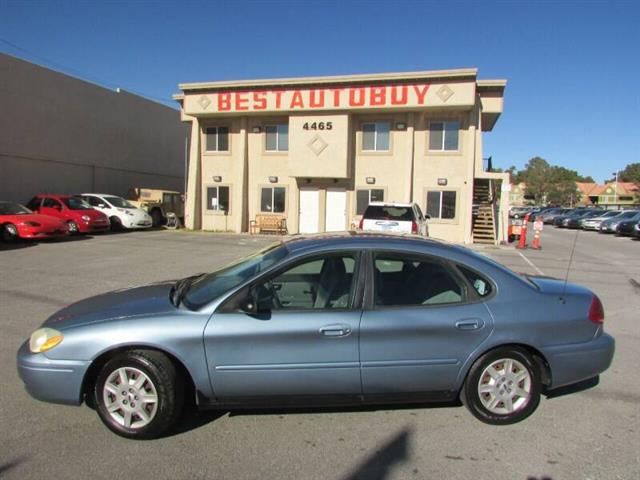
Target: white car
{"x": 120, "y": 212}
{"x": 394, "y": 217}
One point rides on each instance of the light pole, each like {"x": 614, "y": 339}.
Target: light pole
{"x": 615, "y": 192}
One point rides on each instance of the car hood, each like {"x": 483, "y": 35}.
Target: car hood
{"x": 117, "y": 305}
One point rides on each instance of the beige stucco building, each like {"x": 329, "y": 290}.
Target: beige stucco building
{"x": 317, "y": 150}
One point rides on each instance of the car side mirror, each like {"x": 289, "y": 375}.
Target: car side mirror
{"x": 427, "y": 216}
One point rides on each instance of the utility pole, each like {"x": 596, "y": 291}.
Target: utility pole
{"x": 615, "y": 192}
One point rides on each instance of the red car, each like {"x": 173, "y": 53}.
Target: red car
{"x": 17, "y": 221}
{"x": 79, "y": 215}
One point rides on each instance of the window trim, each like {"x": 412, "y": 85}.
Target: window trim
{"x": 206, "y": 210}
{"x": 447, "y": 264}
{"x": 367, "y": 187}
{"x": 470, "y": 288}
{"x": 443, "y": 121}
{"x": 277, "y": 150}
{"x": 273, "y": 186}
{"x": 361, "y": 148}
{"x": 205, "y": 149}
{"x": 451, "y": 221}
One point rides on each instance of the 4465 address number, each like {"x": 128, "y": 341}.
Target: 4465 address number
{"x": 317, "y": 126}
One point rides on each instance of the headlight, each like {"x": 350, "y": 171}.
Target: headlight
{"x": 44, "y": 339}
{"x": 86, "y": 218}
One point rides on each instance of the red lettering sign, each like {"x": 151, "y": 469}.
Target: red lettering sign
{"x": 356, "y": 97}
{"x": 224, "y": 102}
{"x": 259, "y": 100}
{"x": 242, "y": 101}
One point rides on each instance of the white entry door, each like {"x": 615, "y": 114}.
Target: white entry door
{"x": 336, "y": 212}
{"x": 309, "y": 210}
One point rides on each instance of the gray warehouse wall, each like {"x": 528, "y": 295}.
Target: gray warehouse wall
{"x": 59, "y": 134}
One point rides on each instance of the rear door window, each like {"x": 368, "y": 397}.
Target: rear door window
{"x": 408, "y": 281}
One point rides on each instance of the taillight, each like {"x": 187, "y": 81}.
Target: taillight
{"x": 596, "y": 311}
{"x": 360, "y": 224}
{"x": 414, "y": 227}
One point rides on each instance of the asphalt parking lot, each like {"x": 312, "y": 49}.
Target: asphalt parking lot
{"x": 593, "y": 434}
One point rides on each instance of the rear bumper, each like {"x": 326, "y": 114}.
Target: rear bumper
{"x": 56, "y": 381}
{"x": 579, "y": 361}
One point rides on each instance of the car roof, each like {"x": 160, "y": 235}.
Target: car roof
{"x": 391, "y": 204}
{"x": 52, "y": 195}
{"x": 297, "y": 243}
{"x": 101, "y": 194}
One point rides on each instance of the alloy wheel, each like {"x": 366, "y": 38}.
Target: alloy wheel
{"x": 505, "y": 386}
{"x": 130, "y": 397}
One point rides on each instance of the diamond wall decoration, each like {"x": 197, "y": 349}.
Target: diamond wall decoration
{"x": 445, "y": 93}
{"x": 317, "y": 144}
{"x": 204, "y": 102}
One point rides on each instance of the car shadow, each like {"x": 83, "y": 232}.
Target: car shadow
{"x": 192, "y": 418}
{"x": 574, "y": 388}
{"x": 16, "y": 245}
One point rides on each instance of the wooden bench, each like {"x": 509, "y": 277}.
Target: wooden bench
{"x": 268, "y": 223}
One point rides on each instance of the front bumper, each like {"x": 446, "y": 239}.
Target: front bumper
{"x": 39, "y": 232}
{"x": 579, "y": 361}
{"x": 55, "y": 381}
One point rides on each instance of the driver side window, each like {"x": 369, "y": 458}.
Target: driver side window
{"x": 320, "y": 283}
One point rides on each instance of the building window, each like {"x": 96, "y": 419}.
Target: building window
{"x": 441, "y": 204}
{"x": 277, "y": 138}
{"x": 218, "y": 199}
{"x": 365, "y": 197}
{"x": 217, "y": 139}
{"x": 443, "y": 136}
{"x": 375, "y": 136}
{"x": 272, "y": 199}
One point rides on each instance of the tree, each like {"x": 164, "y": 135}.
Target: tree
{"x": 631, "y": 173}
{"x": 550, "y": 183}
{"x": 537, "y": 176}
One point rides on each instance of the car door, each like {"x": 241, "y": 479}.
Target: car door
{"x": 302, "y": 340}
{"x": 421, "y": 322}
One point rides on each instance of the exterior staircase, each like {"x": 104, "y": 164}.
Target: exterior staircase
{"x": 484, "y": 223}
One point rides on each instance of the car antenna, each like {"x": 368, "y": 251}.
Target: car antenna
{"x": 566, "y": 277}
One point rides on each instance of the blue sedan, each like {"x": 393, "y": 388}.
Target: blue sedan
{"x": 327, "y": 320}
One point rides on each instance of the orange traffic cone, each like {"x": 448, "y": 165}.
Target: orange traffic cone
{"x": 536, "y": 240}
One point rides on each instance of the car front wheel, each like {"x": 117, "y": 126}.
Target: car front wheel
{"x": 139, "y": 394}
{"x": 503, "y": 386}
{"x": 9, "y": 233}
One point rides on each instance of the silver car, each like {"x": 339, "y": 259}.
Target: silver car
{"x": 593, "y": 223}
{"x": 327, "y": 320}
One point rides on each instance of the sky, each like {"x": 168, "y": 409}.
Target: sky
{"x": 572, "y": 66}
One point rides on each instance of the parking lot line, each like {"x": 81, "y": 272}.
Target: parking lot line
{"x": 531, "y": 264}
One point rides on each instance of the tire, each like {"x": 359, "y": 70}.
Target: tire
{"x": 9, "y": 233}
{"x": 116, "y": 224}
{"x": 146, "y": 373}
{"x": 493, "y": 395}
{"x": 157, "y": 218}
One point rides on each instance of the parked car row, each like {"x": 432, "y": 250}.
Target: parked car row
{"x": 54, "y": 216}
{"x": 620, "y": 222}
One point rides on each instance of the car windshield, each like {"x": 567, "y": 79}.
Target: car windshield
{"x": 74, "y": 203}
{"x": 10, "y": 208}
{"x": 118, "y": 202}
{"x": 209, "y": 287}
{"x": 388, "y": 212}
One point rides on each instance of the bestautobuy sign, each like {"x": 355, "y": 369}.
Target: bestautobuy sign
{"x": 418, "y": 95}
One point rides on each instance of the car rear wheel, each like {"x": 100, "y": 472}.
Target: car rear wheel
{"x": 9, "y": 233}
{"x": 139, "y": 394}
{"x": 503, "y": 386}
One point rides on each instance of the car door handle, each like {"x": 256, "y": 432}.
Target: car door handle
{"x": 335, "y": 330}
{"x": 470, "y": 324}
